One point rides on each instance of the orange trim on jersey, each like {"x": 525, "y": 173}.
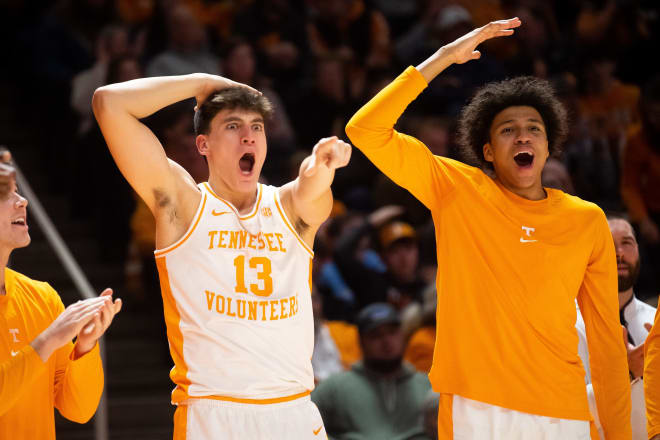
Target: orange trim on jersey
{"x": 179, "y": 373}
{"x": 170, "y": 248}
{"x": 180, "y": 423}
{"x": 249, "y": 216}
{"x": 258, "y": 401}
{"x": 288, "y": 225}
{"x": 311, "y": 263}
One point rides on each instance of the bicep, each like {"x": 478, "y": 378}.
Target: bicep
{"x": 137, "y": 152}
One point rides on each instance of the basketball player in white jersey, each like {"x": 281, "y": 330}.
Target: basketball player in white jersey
{"x": 234, "y": 256}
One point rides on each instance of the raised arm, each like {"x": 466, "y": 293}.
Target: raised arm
{"x": 136, "y": 150}
{"x": 403, "y": 158}
{"x": 308, "y": 199}
{"x": 607, "y": 354}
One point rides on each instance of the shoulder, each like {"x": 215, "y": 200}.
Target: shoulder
{"x": 37, "y": 292}
{"x": 576, "y": 206}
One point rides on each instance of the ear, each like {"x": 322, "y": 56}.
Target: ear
{"x": 488, "y": 152}
{"x": 201, "y": 142}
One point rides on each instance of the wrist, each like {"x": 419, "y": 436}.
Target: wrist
{"x": 82, "y": 348}
{"x": 43, "y": 346}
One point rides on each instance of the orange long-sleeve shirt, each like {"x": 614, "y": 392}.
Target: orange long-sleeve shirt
{"x": 509, "y": 270}
{"x": 640, "y": 180}
{"x": 652, "y": 378}
{"x": 30, "y": 388}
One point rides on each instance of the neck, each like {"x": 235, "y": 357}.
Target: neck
{"x": 535, "y": 192}
{"x": 242, "y": 201}
{"x": 624, "y": 297}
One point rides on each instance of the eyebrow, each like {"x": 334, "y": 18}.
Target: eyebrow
{"x": 508, "y": 121}
{"x": 237, "y": 119}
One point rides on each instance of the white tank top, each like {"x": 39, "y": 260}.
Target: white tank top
{"x": 237, "y": 299}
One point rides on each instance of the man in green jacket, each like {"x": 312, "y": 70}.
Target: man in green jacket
{"x": 380, "y": 397}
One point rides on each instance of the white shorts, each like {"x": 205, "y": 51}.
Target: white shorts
{"x": 473, "y": 420}
{"x": 207, "y": 419}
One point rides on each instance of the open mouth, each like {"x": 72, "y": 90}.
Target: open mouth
{"x": 19, "y": 222}
{"x": 246, "y": 163}
{"x": 524, "y": 159}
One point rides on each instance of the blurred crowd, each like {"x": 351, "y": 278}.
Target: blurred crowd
{"x": 318, "y": 61}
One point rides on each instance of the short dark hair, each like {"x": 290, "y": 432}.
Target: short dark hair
{"x": 477, "y": 117}
{"x": 230, "y": 98}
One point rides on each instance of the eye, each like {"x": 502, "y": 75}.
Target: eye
{"x": 232, "y": 126}
{"x": 534, "y": 128}
{"x": 507, "y": 130}
{"x": 257, "y": 127}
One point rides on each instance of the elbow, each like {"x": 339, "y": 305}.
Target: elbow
{"x": 101, "y": 100}
{"x": 351, "y": 130}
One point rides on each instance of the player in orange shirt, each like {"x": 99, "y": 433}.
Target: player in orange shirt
{"x": 513, "y": 257}
{"x": 40, "y": 368}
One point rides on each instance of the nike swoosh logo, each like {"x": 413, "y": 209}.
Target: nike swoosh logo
{"x": 316, "y": 431}
{"x": 14, "y": 353}
{"x": 522, "y": 240}
{"x": 216, "y": 213}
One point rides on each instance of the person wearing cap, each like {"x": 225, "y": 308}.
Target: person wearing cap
{"x": 381, "y": 397}
{"x": 396, "y": 279}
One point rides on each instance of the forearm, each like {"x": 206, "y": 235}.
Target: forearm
{"x": 79, "y": 384}
{"x": 435, "y": 64}
{"x": 145, "y": 96}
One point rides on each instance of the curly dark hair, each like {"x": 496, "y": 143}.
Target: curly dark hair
{"x": 230, "y": 98}
{"x": 476, "y": 118}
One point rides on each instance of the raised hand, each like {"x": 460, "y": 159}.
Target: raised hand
{"x": 328, "y": 155}
{"x": 463, "y": 49}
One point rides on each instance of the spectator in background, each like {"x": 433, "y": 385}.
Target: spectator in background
{"x": 327, "y": 95}
{"x": 276, "y": 28}
{"x": 351, "y": 29}
{"x": 380, "y": 397}
{"x": 112, "y": 43}
{"x": 419, "y": 351}
{"x": 187, "y": 50}
{"x": 640, "y": 183}
{"x": 652, "y": 380}
{"x": 92, "y": 160}
{"x": 439, "y": 25}
{"x": 336, "y": 343}
{"x": 555, "y": 175}
{"x": 391, "y": 278}
{"x": 610, "y": 110}
{"x": 430, "y": 414}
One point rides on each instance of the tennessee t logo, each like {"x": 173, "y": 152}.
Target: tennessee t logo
{"x": 14, "y": 332}
{"x": 528, "y": 233}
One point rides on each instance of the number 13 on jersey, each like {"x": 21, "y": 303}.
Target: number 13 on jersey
{"x": 262, "y": 264}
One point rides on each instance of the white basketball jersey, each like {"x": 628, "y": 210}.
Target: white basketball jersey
{"x": 237, "y": 299}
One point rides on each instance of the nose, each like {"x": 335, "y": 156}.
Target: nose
{"x": 21, "y": 202}
{"x": 522, "y": 136}
{"x": 247, "y": 137}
